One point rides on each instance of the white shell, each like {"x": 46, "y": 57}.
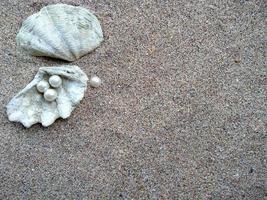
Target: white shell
{"x": 60, "y": 31}
{"x": 30, "y": 107}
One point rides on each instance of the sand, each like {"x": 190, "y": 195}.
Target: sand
{"x": 181, "y": 113}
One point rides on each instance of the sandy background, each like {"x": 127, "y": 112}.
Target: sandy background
{"x": 181, "y": 113}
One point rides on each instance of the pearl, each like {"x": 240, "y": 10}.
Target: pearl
{"x": 95, "y": 81}
{"x": 50, "y": 95}
{"x": 55, "y": 81}
{"x": 42, "y": 86}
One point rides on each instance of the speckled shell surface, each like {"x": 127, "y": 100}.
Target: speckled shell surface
{"x": 29, "y": 106}
{"x": 60, "y": 31}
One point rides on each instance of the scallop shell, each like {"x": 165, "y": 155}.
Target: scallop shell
{"x": 60, "y": 31}
{"x": 30, "y": 107}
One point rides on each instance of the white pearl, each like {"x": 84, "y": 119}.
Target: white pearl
{"x": 95, "y": 81}
{"x": 55, "y": 81}
{"x": 50, "y": 95}
{"x": 42, "y": 86}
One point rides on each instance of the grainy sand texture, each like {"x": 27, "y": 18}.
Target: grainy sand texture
{"x": 181, "y": 113}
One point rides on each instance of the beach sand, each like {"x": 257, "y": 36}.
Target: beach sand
{"x": 181, "y": 113}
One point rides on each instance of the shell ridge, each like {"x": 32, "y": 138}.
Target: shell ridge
{"x": 60, "y": 104}
{"x": 38, "y": 49}
{"x": 64, "y": 39}
{"x": 71, "y": 72}
{"x": 59, "y": 33}
{"x": 41, "y": 51}
{"x": 47, "y": 116}
{"x": 96, "y": 26}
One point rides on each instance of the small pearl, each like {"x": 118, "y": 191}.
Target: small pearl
{"x": 42, "y": 86}
{"x": 50, "y": 95}
{"x": 95, "y": 81}
{"x": 55, "y": 81}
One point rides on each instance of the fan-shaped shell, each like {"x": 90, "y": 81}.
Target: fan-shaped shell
{"x": 60, "y": 31}
{"x": 30, "y": 107}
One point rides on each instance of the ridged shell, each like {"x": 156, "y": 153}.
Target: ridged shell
{"x": 30, "y": 107}
{"x": 60, "y": 31}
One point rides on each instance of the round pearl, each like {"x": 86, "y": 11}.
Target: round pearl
{"x": 95, "y": 81}
{"x": 50, "y": 95}
{"x": 42, "y": 86}
{"x": 55, "y": 81}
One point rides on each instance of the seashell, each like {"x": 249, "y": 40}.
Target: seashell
{"x": 33, "y": 105}
{"x": 60, "y": 31}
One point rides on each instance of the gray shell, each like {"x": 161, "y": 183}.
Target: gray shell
{"x": 29, "y": 106}
{"x": 60, "y": 31}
